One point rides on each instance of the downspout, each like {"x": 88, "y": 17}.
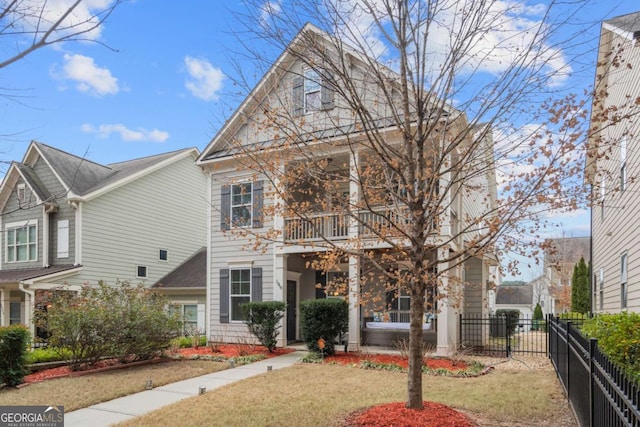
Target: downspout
{"x": 28, "y": 307}
{"x": 76, "y": 204}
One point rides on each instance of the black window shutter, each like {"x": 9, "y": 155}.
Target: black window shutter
{"x": 224, "y": 295}
{"x": 256, "y": 284}
{"x": 297, "y": 96}
{"x": 321, "y": 279}
{"x": 327, "y": 93}
{"x": 225, "y": 207}
{"x": 257, "y": 204}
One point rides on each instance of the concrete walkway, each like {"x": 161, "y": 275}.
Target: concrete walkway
{"x": 128, "y": 407}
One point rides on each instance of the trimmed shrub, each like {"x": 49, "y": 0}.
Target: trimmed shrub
{"x": 326, "y": 319}
{"x": 618, "y": 337}
{"x": 14, "y": 340}
{"x": 537, "y": 312}
{"x": 262, "y": 319}
{"x": 48, "y": 354}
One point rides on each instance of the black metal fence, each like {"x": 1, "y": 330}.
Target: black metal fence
{"x": 503, "y": 335}
{"x": 598, "y": 392}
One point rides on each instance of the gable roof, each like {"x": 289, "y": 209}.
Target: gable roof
{"x": 192, "y": 273}
{"x": 514, "y": 295}
{"x": 82, "y": 178}
{"x": 629, "y": 23}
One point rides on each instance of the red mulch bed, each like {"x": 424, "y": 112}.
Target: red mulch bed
{"x": 391, "y": 359}
{"x": 225, "y": 350}
{"x": 396, "y": 415}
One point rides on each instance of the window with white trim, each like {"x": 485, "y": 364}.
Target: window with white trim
{"x": 21, "y": 241}
{"x": 141, "y": 271}
{"x": 15, "y": 313}
{"x": 163, "y": 255}
{"x": 240, "y": 292}
{"x": 242, "y": 204}
{"x": 188, "y": 313}
{"x": 623, "y": 280}
{"x": 623, "y": 164}
{"x": 312, "y": 92}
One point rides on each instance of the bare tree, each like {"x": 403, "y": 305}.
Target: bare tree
{"x": 423, "y": 112}
{"x": 29, "y": 25}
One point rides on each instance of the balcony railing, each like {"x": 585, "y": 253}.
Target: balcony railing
{"x": 325, "y": 226}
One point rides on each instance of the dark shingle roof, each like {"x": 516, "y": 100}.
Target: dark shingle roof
{"x": 83, "y": 176}
{"x": 34, "y": 181}
{"x": 629, "y": 22}
{"x": 518, "y": 294}
{"x": 190, "y": 274}
{"x": 13, "y": 276}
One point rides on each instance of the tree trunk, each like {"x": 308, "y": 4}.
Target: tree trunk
{"x": 416, "y": 360}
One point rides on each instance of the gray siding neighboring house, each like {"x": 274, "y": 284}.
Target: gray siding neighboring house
{"x": 613, "y": 159}
{"x": 66, "y": 220}
{"x": 560, "y": 258}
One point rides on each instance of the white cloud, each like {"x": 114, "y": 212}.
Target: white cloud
{"x": 204, "y": 80}
{"x": 45, "y": 13}
{"x": 504, "y": 33}
{"x": 88, "y": 76}
{"x": 126, "y": 134}
{"x": 269, "y": 10}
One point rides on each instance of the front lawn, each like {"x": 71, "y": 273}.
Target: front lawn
{"x": 87, "y": 390}
{"x": 312, "y": 395}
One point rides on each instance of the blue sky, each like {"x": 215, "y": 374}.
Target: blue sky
{"x": 165, "y": 86}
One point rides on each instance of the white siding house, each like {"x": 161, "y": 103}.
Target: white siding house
{"x": 241, "y": 202}
{"x": 69, "y": 221}
{"x": 612, "y": 168}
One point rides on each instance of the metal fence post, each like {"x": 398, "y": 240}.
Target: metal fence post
{"x": 568, "y": 349}
{"x": 507, "y": 329}
{"x": 593, "y": 343}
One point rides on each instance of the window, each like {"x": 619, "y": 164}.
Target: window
{"x": 241, "y": 204}
{"x": 240, "y": 292}
{"x": 15, "y": 317}
{"x": 163, "y": 255}
{"x": 312, "y": 92}
{"x": 22, "y": 242}
{"x": 623, "y": 164}
{"x": 22, "y": 193}
{"x": 238, "y": 285}
{"x": 189, "y": 315}
{"x": 623, "y": 280}
{"x": 141, "y": 271}
{"x": 312, "y": 96}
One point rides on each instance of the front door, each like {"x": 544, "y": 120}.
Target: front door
{"x": 292, "y": 310}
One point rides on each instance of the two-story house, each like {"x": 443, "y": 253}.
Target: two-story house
{"x": 612, "y": 165}
{"x": 258, "y": 253}
{"x": 66, "y": 220}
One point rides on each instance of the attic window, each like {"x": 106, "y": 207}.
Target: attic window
{"x": 163, "y": 255}
{"x": 22, "y": 193}
{"x": 312, "y": 100}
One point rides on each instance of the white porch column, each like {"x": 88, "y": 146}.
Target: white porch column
{"x": 354, "y": 303}
{"x": 4, "y": 307}
{"x": 279, "y": 283}
{"x": 354, "y": 262}
{"x": 447, "y": 313}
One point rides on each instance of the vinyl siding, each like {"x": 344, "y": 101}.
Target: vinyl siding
{"x": 616, "y": 229}
{"x": 473, "y": 287}
{"x": 227, "y": 250}
{"x": 127, "y": 226}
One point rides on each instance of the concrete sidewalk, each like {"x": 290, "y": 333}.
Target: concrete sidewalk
{"x": 134, "y": 405}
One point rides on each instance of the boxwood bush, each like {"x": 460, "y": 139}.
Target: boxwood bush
{"x": 262, "y": 319}
{"x": 14, "y": 340}
{"x": 326, "y": 319}
{"x": 618, "y": 337}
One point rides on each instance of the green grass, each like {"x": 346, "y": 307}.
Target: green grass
{"x": 312, "y": 395}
